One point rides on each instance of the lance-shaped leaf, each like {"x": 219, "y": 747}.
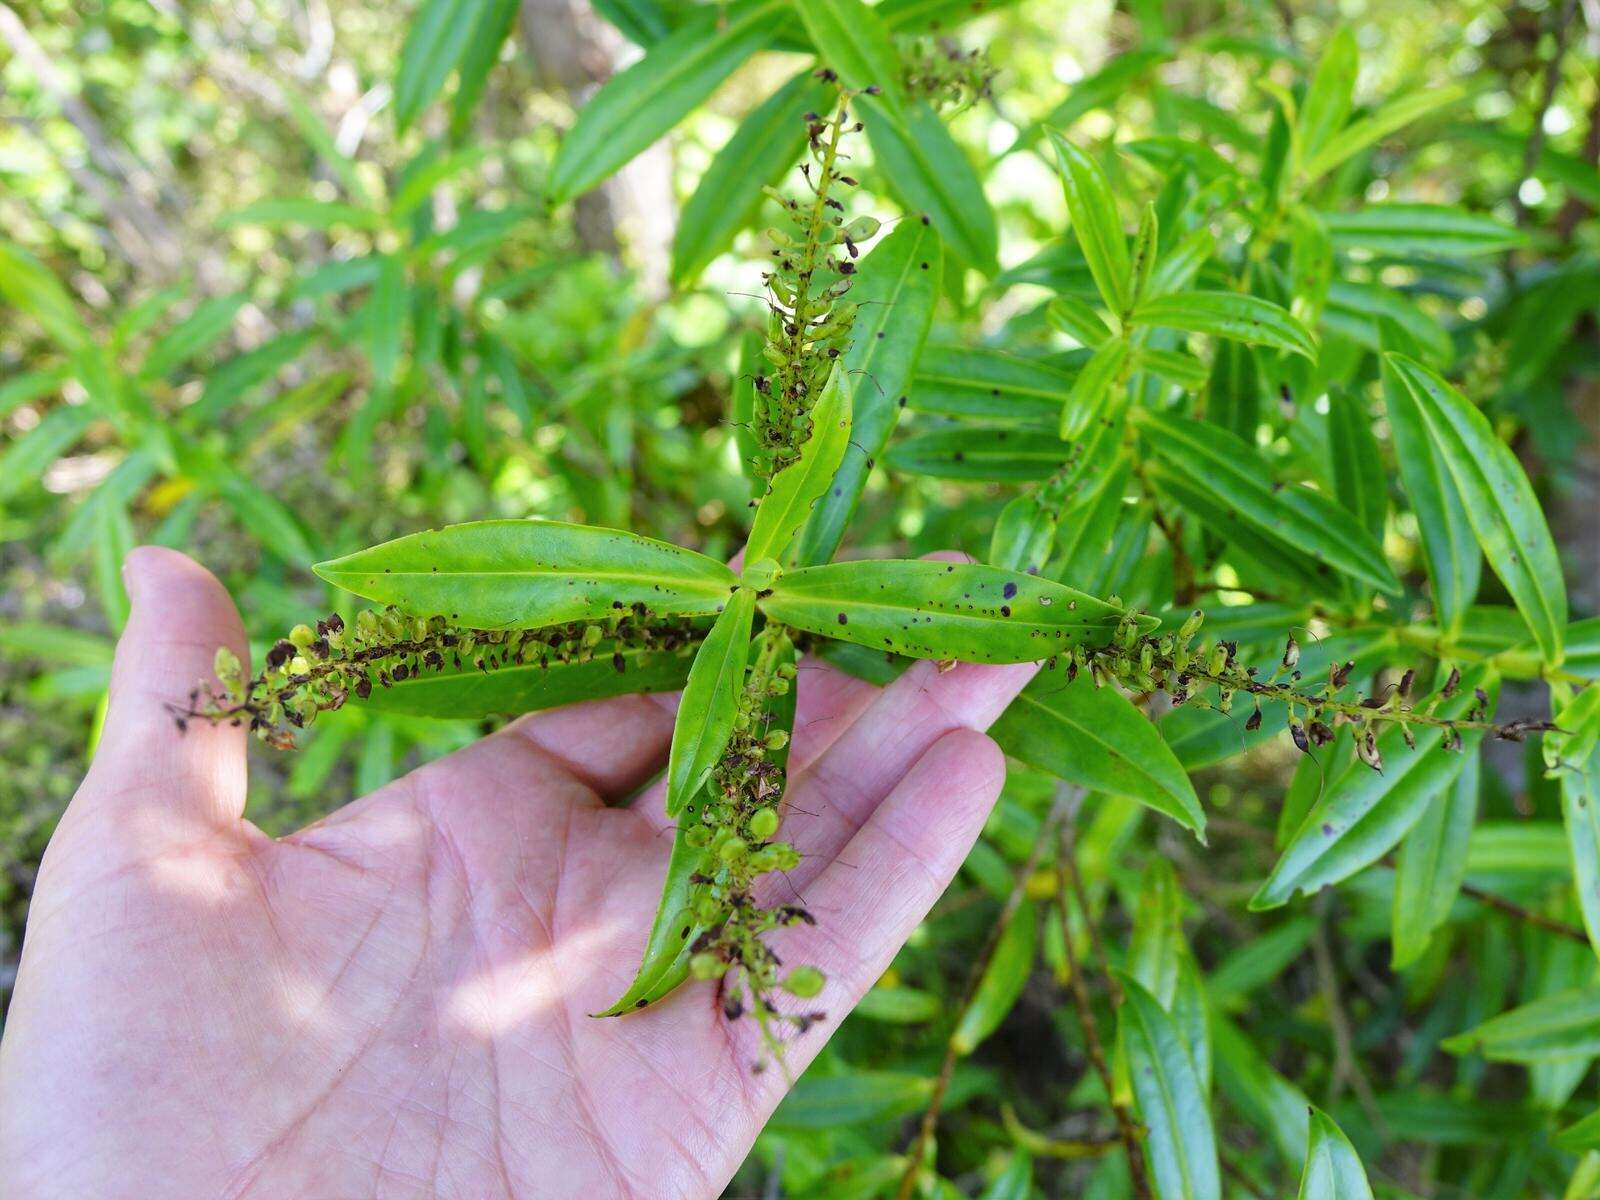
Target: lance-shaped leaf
{"x": 1092, "y": 390}
{"x": 434, "y": 44}
{"x": 1365, "y": 812}
{"x": 1001, "y": 982}
{"x": 787, "y": 504}
{"x": 1572, "y": 753}
{"x": 1425, "y": 229}
{"x": 1078, "y": 320}
{"x": 1358, "y": 476}
{"x": 25, "y": 459}
{"x": 1449, "y": 549}
{"x": 896, "y": 298}
{"x": 28, "y": 286}
{"x": 1237, "y": 480}
{"x": 506, "y": 574}
{"x": 761, "y": 151}
{"x": 929, "y": 174}
{"x": 1433, "y": 865}
{"x": 990, "y": 455}
{"x": 1499, "y": 501}
{"x": 472, "y": 694}
{"x": 710, "y": 702}
{"x": 1092, "y": 209}
{"x": 1333, "y": 1169}
{"x": 1553, "y": 1028}
{"x": 1326, "y": 106}
{"x": 940, "y": 610}
{"x": 851, "y": 39}
{"x": 1156, "y": 948}
{"x": 1379, "y": 124}
{"x": 665, "y": 962}
{"x": 1024, "y": 533}
{"x": 1180, "y": 1143}
{"x": 1096, "y": 738}
{"x": 1232, "y": 315}
{"x": 1262, "y": 1096}
{"x": 638, "y": 105}
{"x": 959, "y": 381}
{"x": 209, "y": 322}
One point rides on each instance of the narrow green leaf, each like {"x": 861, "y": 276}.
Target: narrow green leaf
{"x": 940, "y": 610}
{"x": 665, "y": 961}
{"x": 434, "y": 44}
{"x": 28, "y": 286}
{"x": 1023, "y": 533}
{"x": 489, "y": 32}
{"x": 1263, "y": 1097}
{"x": 1078, "y": 321}
{"x": 976, "y": 453}
{"x": 1233, "y": 393}
{"x": 931, "y": 176}
{"x": 1180, "y": 1144}
{"x": 638, "y": 105}
{"x": 1426, "y": 229}
{"x": 1433, "y": 865}
{"x": 313, "y": 214}
{"x": 1333, "y": 1169}
{"x": 851, "y": 39}
{"x": 385, "y": 314}
{"x": 1364, "y": 812}
{"x": 1499, "y": 501}
{"x": 787, "y": 504}
{"x": 1326, "y": 106}
{"x": 896, "y": 296}
{"x": 1237, "y": 479}
{"x": 267, "y": 517}
{"x": 728, "y": 196}
{"x": 642, "y": 22}
{"x": 471, "y": 694}
{"x": 1001, "y": 983}
{"x": 1092, "y": 390}
{"x": 1175, "y": 366}
{"x": 710, "y": 702}
{"x": 27, "y": 458}
{"x": 1096, "y": 738}
{"x": 898, "y": 1005}
{"x": 1248, "y": 319}
{"x": 201, "y": 329}
{"x": 958, "y": 381}
{"x": 1358, "y": 475}
{"x": 504, "y": 574}
{"x": 1554, "y": 1028}
{"x": 1015, "y": 1182}
{"x": 1377, "y": 125}
{"x": 1372, "y": 315}
{"x": 1092, "y": 209}
{"x": 1156, "y": 946}
{"x": 1572, "y": 753}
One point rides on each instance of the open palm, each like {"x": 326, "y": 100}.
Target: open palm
{"x": 394, "y": 1001}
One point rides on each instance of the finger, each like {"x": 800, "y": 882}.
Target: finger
{"x": 179, "y": 615}
{"x": 897, "y": 865}
{"x": 831, "y": 800}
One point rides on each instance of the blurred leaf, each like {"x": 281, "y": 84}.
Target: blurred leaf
{"x": 968, "y": 452}
{"x": 636, "y": 106}
{"x": 1243, "y": 318}
{"x": 1551, "y": 1029}
{"x": 28, "y": 286}
{"x": 1434, "y": 229}
{"x": 201, "y": 329}
{"x": 1092, "y": 209}
{"x": 1433, "y": 865}
{"x": 435, "y": 41}
{"x": 314, "y": 214}
{"x": 1326, "y": 106}
{"x": 925, "y": 169}
{"x": 1396, "y": 114}
{"x": 1001, "y": 983}
{"x": 851, "y": 39}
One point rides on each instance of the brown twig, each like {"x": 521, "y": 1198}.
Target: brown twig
{"x": 941, "y": 1085}
{"x": 1127, "y": 1128}
{"x": 1534, "y": 150}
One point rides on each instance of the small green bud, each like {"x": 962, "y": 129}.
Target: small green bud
{"x": 226, "y": 666}
{"x": 698, "y": 837}
{"x": 764, "y": 823}
{"x": 705, "y": 965}
{"x": 302, "y": 636}
{"x": 733, "y": 849}
{"x": 804, "y": 982}
{"x": 777, "y": 739}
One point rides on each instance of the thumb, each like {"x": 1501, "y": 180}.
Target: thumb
{"x": 179, "y": 616}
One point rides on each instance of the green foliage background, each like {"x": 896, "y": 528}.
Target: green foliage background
{"x": 279, "y": 285}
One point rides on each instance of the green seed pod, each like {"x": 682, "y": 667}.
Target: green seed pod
{"x": 226, "y": 666}
{"x": 302, "y": 636}
{"x": 706, "y": 965}
{"x": 804, "y": 982}
{"x": 776, "y": 740}
{"x": 764, "y": 823}
{"x": 698, "y": 836}
{"x": 733, "y": 849}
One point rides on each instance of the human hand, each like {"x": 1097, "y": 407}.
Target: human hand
{"x": 394, "y": 1001}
